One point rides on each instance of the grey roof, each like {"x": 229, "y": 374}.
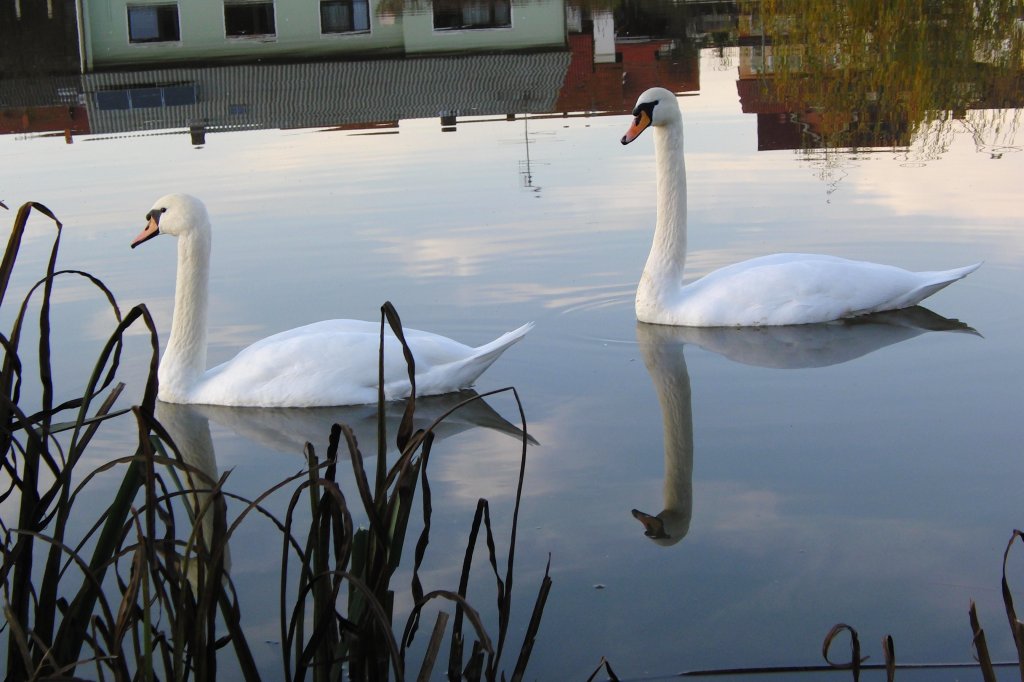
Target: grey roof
{"x": 322, "y": 94}
{"x": 39, "y": 92}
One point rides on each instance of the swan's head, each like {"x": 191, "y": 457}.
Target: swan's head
{"x": 655, "y": 107}
{"x": 665, "y": 529}
{"x": 174, "y": 214}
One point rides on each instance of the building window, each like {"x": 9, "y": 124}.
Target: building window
{"x": 452, "y": 15}
{"x": 153, "y": 24}
{"x": 145, "y": 97}
{"x": 243, "y": 19}
{"x": 344, "y": 16}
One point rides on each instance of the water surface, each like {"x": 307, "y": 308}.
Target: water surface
{"x": 867, "y": 474}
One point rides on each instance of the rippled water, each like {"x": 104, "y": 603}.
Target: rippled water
{"x": 867, "y": 474}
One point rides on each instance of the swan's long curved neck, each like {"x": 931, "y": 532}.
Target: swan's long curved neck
{"x": 184, "y": 360}
{"x": 663, "y": 273}
{"x": 673, "y": 386}
{"x": 665, "y": 362}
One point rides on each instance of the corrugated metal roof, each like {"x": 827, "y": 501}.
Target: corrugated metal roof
{"x": 39, "y": 92}
{"x": 335, "y": 93}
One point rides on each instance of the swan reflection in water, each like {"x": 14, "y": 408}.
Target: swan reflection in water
{"x": 190, "y": 431}
{"x": 288, "y": 429}
{"x": 788, "y": 347}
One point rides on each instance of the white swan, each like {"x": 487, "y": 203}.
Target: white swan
{"x": 785, "y": 288}
{"x": 334, "y": 362}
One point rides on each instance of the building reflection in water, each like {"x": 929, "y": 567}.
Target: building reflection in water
{"x": 821, "y": 75}
{"x": 813, "y": 78}
{"x": 582, "y": 68}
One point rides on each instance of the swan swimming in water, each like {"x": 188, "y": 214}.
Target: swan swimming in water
{"x": 781, "y": 289}
{"x": 333, "y": 362}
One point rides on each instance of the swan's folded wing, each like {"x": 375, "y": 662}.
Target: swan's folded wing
{"x": 785, "y": 289}
{"x": 333, "y": 362}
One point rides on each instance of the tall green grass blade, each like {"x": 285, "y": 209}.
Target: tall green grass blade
{"x": 400, "y": 507}
{"x": 474, "y": 668}
{"x": 405, "y": 426}
{"x": 482, "y": 515}
{"x": 433, "y": 647}
{"x": 855, "y": 657}
{"x": 534, "y": 627}
{"x": 233, "y": 621}
{"x": 22, "y": 555}
{"x": 505, "y": 591}
{"x": 1016, "y": 627}
{"x": 358, "y": 561}
{"x": 889, "y": 649}
{"x": 382, "y": 432}
{"x": 20, "y": 641}
{"x": 110, "y": 353}
{"x": 457, "y": 641}
{"x": 45, "y": 373}
{"x": 91, "y": 577}
{"x": 137, "y": 584}
{"x": 296, "y": 630}
{"x": 14, "y": 241}
{"x": 10, "y": 376}
{"x": 72, "y": 632}
{"x": 607, "y": 667}
{"x": 380, "y": 618}
{"x": 44, "y": 622}
{"x": 984, "y": 659}
{"x": 377, "y": 528}
{"x": 319, "y": 646}
{"x": 428, "y": 511}
{"x": 460, "y": 601}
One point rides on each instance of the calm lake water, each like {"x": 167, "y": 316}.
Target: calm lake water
{"x": 867, "y": 474}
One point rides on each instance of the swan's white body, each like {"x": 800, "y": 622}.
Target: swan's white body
{"x": 334, "y": 362}
{"x": 781, "y": 289}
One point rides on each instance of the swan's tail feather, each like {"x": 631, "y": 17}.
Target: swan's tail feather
{"x": 957, "y": 273}
{"x": 498, "y": 345}
{"x": 463, "y": 373}
{"x": 484, "y": 355}
{"x": 934, "y": 282}
{"x": 489, "y": 352}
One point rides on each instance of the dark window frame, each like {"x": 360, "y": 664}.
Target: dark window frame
{"x": 352, "y": 20}
{"x": 168, "y": 23}
{"x": 451, "y": 15}
{"x": 146, "y": 96}
{"x": 244, "y": 19}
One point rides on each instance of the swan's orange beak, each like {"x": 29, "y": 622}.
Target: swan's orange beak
{"x": 653, "y": 526}
{"x": 151, "y": 230}
{"x": 640, "y": 123}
